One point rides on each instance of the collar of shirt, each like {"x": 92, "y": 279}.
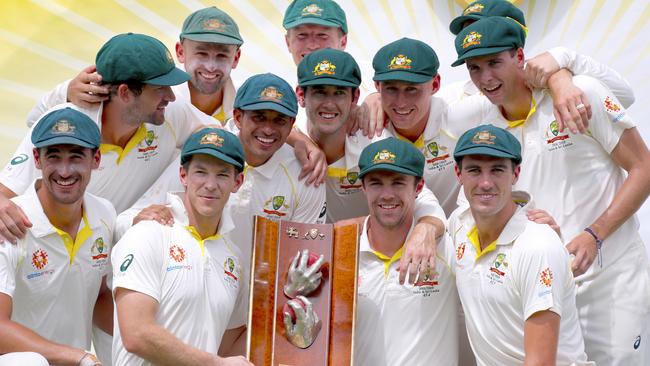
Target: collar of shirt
{"x": 436, "y": 123}
{"x": 175, "y": 202}
{"x": 267, "y": 170}
{"x": 364, "y": 246}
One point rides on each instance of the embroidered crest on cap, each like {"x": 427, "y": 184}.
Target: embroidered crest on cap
{"x": 384, "y": 156}
{"x": 63, "y": 126}
{"x": 483, "y": 137}
{"x": 476, "y": 8}
{"x": 212, "y": 24}
{"x": 271, "y": 93}
{"x": 312, "y": 10}
{"x": 472, "y": 39}
{"x": 212, "y": 138}
{"x": 324, "y": 68}
{"x": 169, "y": 57}
{"x": 400, "y": 62}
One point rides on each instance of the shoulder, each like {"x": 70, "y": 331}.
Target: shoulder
{"x": 100, "y": 207}
{"x": 537, "y": 239}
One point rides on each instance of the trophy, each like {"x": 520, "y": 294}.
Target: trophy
{"x": 303, "y": 293}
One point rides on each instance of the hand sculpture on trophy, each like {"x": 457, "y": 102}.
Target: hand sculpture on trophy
{"x": 304, "y": 274}
{"x": 301, "y": 322}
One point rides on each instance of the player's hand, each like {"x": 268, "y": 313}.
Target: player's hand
{"x": 232, "y": 361}
{"x": 585, "y": 250}
{"x": 419, "y": 257}
{"x": 89, "y": 359}
{"x": 85, "y": 89}
{"x": 13, "y": 221}
{"x": 303, "y": 278}
{"x": 303, "y": 333}
{"x": 314, "y": 163}
{"x": 543, "y": 217}
{"x": 371, "y": 118}
{"x": 159, "y": 213}
{"x": 538, "y": 70}
{"x": 570, "y": 105}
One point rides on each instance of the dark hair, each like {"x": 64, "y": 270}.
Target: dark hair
{"x": 134, "y": 86}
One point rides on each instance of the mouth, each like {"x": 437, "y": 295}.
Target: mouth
{"x": 485, "y": 196}
{"x": 403, "y": 112}
{"x": 65, "y": 182}
{"x": 209, "y": 75}
{"x": 388, "y": 206}
{"x": 161, "y": 107}
{"x": 265, "y": 141}
{"x": 327, "y": 116}
{"x": 491, "y": 89}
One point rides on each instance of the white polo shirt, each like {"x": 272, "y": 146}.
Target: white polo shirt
{"x": 124, "y": 175}
{"x": 54, "y": 281}
{"x": 419, "y": 322}
{"x": 224, "y": 112}
{"x": 197, "y": 283}
{"x": 574, "y": 176}
{"x": 526, "y": 270}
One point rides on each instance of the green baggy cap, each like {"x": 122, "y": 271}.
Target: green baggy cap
{"x": 488, "y": 140}
{"x": 211, "y": 25}
{"x": 267, "y": 91}
{"x": 66, "y": 126}
{"x": 329, "y": 67}
{"x": 487, "y": 8}
{"x": 488, "y": 36}
{"x": 393, "y": 155}
{"x": 405, "y": 60}
{"x": 215, "y": 142}
{"x": 322, "y": 12}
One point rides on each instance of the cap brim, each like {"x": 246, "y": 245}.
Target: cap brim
{"x": 214, "y": 153}
{"x": 389, "y": 168}
{"x": 488, "y": 151}
{"x": 401, "y": 75}
{"x": 174, "y": 77}
{"x": 480, "y": 52}
{"x": 329, "y": 81}
{"x": 456, "y": 25}
{"x": 65, "y": 140}
{"x": 213, "y": 38}
{"x": 310, "y": 20}
{"x": 269, "y": 105}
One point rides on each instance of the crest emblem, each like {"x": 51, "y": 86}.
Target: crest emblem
{"x": 39, "y": 259}
{"x": 212, "y": 24}
{"x": 170, "y": 59}
{"x": 400, "y": 62}
{"x": 148, "y": 139}
{"x": 271, "y": 93}
{"x": 554, "y": 128}
{"x": 98, "y": 250}
{"x": 277, "y": 202}
{"x": 63, "y": 126}
{"x": 312, "y": 10}
{"x": 472, "y": 39}
{"x": 324, "y": 68}
{"x": 476, "y": 8}
{"x": 611, "y": 106}
{"x": 483, "y": 137}
{"x": 177, "y": 253}
{"x": 433, "y": 149}
{"x": 500, "y": 261}
{"x": 212, "y": 138}
{"x": 546, "y": 277}
{"x": 460, "y": 251}
{"x": 229, "y": 268}
{"x": 384, "y": 156}
{"x": 352, "y": 177}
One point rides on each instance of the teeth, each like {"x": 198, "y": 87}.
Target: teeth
{"x": 402, "y": 113}
{"x": 265, "y": 140}
{"x": 327, "y": 115}
{"x": 68, "y": 182}
{"x": 208, "y": 76}
{"x": 388, "y": 207}
{"x": 492, "y": 89}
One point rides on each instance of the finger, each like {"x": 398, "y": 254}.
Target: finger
{"x": 316, "y": 265}
{"x": 432, "y": 264}
{"x": 370, "y": 128}
{"x": 382, "y": 120}
{"x": 288, "y": 324}
{"x": 297, "y": 309}
{"x": 294, "y": 261}
{"x": 414, "y": 268}
{"x": 403, "y": 268}
{"x": 303, "y": 259}
{"x": 575, "y": 119}
{"x": 558, "y": 119}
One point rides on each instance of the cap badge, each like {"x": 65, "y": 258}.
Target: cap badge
{"x": 324, "y": 68}
{"x": 400, "y": 62}
{"x": 384, "y": 156}
{"x": 212, "y": 24}
{"x": 63, "y": 126}
{"x": 483, "y": 137}
{"x": 312, "y": 10}
{"x": 170, "y": 59}
{"x": 212, "y": 138}
{"x": 476, "y": 8}
{"x": 472, "y": 39}
{"x": 271, "y": 93}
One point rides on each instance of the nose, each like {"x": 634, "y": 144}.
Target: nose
{"x": 169, "y": 94}
{"x": 485, "y": 181}
{"x": 312, "y": 43}
{"x": 64, "y": 169}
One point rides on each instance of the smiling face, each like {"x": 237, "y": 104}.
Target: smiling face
{"x": 262, "y": 133}
{"x": 498, "y": 76}
{"x": 487, "y": 182}
{"x": 149, "y": 106}
{"x": 209, "y": 64}
{"x": 407, "y": 104}
{"x": 327, "y": 106}
{"x": 391, "y": 197}
{"x": 66, "y": 171}
{"x": 307, "y": 38}
{"x": 208, "y": 184}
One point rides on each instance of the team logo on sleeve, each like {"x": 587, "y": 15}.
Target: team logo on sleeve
{"x": 546, "y": 277}
{"x": 614, "y": 109}
{"x": 476, "y": 8}
{"x": 312, "y": 10}
{"x": 128, "y": 259}
{"x": 275, "y": 206}
{"x": 39, "y": 259}
{"x": 324, "y": 68}
{"x": 400, "y": 62}
{"x": 472, "y": 39}
{"x": 19, "y": 159}
{"x": 176, "y": 253}
{"x": 231, "y": 272}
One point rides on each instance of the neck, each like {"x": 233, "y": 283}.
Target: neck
{"x": 387, "y": 241}
{"x": 414, "y": 133}
{"x": 66, "y": 217}
{"x": 205, "y": 226}
{"x": 518, "y": 105}
{"x": 116, "y": 129}
{"x": 333, "y": 145}
{"x": 206, "y": 103}
{"x": 490, "y": 226}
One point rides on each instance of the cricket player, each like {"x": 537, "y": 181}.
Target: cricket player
{"x": 55, "y": 275}
{"x": 513, "y": 275}
{"x": 177, "y": 288}
{"x": 592, "y": 184}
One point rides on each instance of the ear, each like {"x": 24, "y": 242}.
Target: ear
{"x": 239, "y": 180}
{"x": 180, "y": 52}
{"x": 286, "y": 40}
{"x": 235, "y": 62}
{"x": 37, "y": 158}
{"x": 521, "y": 59}
{"x": 517, "y": 170}
{"x": 356, "y": 95}
{"x": 343, "y": 42}
{"x": 457, "y": 170}
{"x": 419, "y": 186}
{"x": 124, "y": 94}
{"x": 300, "y": 93}
{"x": 435, "y": 84}
{"x": 183, "y": 176}
{"x": 378, "y": 86}
{"x": 97, "y": 158}
{"x": 237, "y": 115}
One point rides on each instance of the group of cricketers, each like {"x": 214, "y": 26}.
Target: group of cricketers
{"x": 497, "y": 215}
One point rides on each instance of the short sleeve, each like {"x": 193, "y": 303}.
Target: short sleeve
{"x": 186, "y": 118}
{"x": 9, "y": 261}
{"x": 138, "y": 259}
{"x": 426, "y": 204}
{"x": 311, "y": 203}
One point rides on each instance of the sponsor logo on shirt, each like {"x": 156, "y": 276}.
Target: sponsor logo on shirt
{"x": 231, "y": 272}
{"x": 498, "y": 269}
{"x": 556, "y": 140}
{"x": 275, "y": 206}
{"x": 437, "y": 156}
{"x": 19, "y": 159}
{"x": 99, "y": 253}
{"x": 128, "y": 259}
{"x": 546, "y": 277}
{"x": 39, "y": 262}
{"x": 176, "y": 253}
{"x": 148, "y": 147}
{"x": 637, "y": 342}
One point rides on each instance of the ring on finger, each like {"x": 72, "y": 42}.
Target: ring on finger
{"x": 580, "y": 106}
